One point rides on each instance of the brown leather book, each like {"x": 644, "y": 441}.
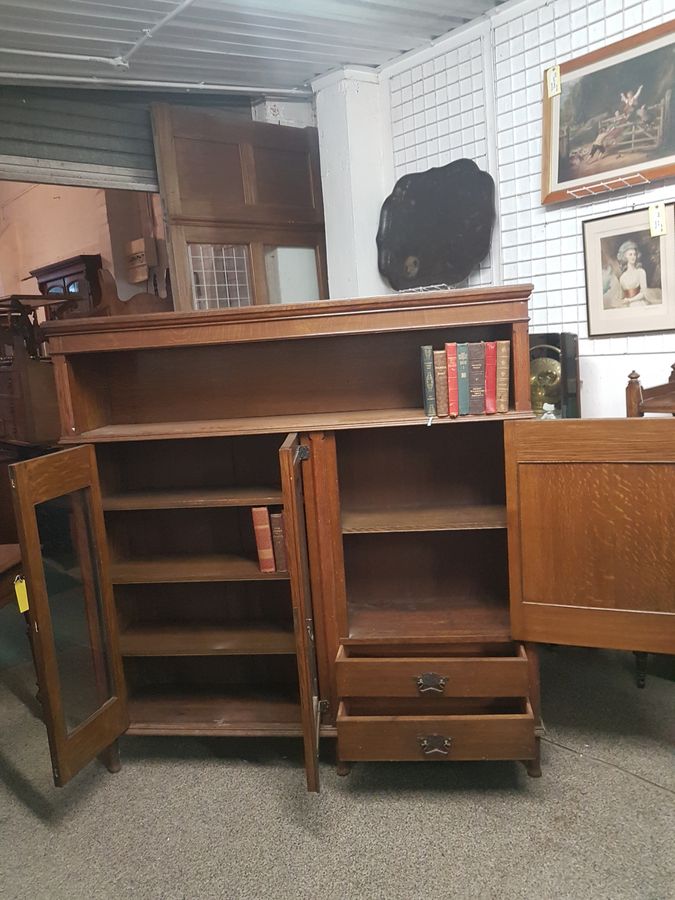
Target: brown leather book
{"x": 490, "y": 377}
{"x": 503, "y": 367}
{"x": 441, "y": 382}
{"x": 279, "y": 541}
{"x": 263, "y": 538}
{"x": 477, "y": 378}
{"x": 453, "y": 394}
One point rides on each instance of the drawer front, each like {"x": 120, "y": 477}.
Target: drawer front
{"x": 496, "y": 676}
{"x": 435, "y": 738}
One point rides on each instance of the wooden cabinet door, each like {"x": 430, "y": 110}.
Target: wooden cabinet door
{"x": 215, "y": 169}
{"x": 59, "y": 516}
{"x": 233, "y": 191}
{"x": 591, "y": 521}
{"x": 291, "y": 454}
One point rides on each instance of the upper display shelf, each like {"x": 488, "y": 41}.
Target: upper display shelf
{"x": 317, "y": 366}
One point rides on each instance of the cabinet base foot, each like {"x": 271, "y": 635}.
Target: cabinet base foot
{"x": 110, "y": 758}
{"x": 641, "y": 660}
{"x": 343, "y": 768}
{"x": 533, "y": 767}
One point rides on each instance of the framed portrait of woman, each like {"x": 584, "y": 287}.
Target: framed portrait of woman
{"x": 630, "y": 274}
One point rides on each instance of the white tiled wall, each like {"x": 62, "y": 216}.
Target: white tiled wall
{"x": 438, "y": 114}
{"x": 450, "y": 105}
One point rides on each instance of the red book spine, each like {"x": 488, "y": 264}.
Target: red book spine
{"x": 263, "y": 538}
{"x": 453, "y": 398}
{"x": 491, "y": 376}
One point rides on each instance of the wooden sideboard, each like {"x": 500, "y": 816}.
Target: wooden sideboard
{"x": 392, "y": 629}
{"x": 28, "y": 406}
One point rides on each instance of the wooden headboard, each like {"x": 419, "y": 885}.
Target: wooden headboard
{"x": 658, "y": 399}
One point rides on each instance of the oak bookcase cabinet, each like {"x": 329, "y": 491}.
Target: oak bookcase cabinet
{"x": 424, "y": 563}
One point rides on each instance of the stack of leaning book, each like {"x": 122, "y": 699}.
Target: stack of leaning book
{"x": 466, "y": 379}
{"x": 270, "y": 539}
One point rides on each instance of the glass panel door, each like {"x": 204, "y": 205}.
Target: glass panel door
{"x": 220, "y": 275}
{"x": 73, "y": 629}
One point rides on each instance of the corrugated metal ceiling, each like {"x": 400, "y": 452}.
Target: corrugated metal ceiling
{"x": 264, "y": 44}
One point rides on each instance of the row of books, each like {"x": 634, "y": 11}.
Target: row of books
{"x": 466, "y": 378}
{"x": 270, "y": 539}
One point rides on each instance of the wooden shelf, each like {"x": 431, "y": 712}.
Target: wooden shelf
{"x": 169, "y": 569}
{"x": 430, "y": 619}
{"x": 207, "y": 639}
{"x": 369, "y": 418}
{"x": 234, "y": 712}
{"x": 193, "y": 498}
{"x": 444, "y": 517}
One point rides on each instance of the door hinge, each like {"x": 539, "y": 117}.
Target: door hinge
{"x": 310, "y": 629}
{"x": 303, "y": 452}
{"x": 324, "y": 706}
{"x": 12, "y": 480}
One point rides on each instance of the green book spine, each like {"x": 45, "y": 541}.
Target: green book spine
{"x": 503, "y": 371}
{"x": 428, "y": 383}
{"x": 463, "y": 378}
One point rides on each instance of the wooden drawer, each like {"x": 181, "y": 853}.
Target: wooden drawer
{"x": 504, "y": 675}
{"x": 370, "y": 731}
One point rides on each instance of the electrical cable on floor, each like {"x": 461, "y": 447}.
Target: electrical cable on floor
{"x": 612, "y": 765}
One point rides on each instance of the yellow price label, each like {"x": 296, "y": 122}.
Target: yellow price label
{"x": 21, "y": 593}
{"x": 553, "y": 85}
{"x": 657, "y": 219}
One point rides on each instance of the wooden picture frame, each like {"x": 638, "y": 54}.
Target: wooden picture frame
{"x": 612, "y": 123}
{"x": 630, "y": 275}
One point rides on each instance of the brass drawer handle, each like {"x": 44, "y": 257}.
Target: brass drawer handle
{"x": 431, "y": 683}
{"x": 435, "y": 744}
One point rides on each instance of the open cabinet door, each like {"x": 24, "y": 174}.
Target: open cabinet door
{"x": 591, "y": 522}
{"x": 59, "y": 516}
{"x": 291, "y": 454}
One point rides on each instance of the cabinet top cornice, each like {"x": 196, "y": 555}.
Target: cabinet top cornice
{"x": 424, "y": 309}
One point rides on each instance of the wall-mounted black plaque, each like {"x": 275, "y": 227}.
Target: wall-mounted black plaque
{"x": 435, "y": 226}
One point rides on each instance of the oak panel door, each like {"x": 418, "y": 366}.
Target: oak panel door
{"x": 291, "y": 454}
{"x": 591, "y": 521}
{"x": 57, "y": 502}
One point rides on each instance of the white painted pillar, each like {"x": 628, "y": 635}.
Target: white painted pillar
{"x": 356, "y": 176}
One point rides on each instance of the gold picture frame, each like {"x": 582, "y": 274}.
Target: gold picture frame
{"x": 612, "y": 123}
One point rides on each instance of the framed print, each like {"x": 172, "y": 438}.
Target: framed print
{"x": 630, "y": 275}
{"x": 612, "y": 124}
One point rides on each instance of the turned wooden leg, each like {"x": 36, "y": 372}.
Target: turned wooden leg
{"x": 110, "y": 757}
{"x": 343, "y": 767}
{"x": 641, "y": 660}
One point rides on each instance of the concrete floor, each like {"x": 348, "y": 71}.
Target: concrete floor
{"x": 216, "y": 818}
